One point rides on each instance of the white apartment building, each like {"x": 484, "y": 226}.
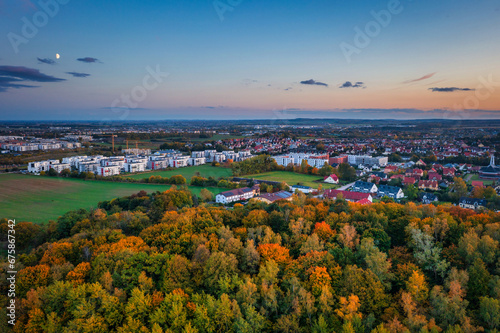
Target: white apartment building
{"x": 367, "y": 160}
{"x": 284, "y": 160}
{"x": 113, "y": 161}
{"x": 26, "y": 147}
{"x": 219, "y": 157}
{"x": 180, "y": 162}
{"x": 106, "y": 171}
{"x": 134, "y": 166}
{"x": 60, "y": 167}
{"x": 209, "y": 155}
{"x": 159, "y": 163}
{"x": 238, "y": 194}
{"x": 197, "y": 154}
{"x": 88, "y": 166}
{"x": 37, "y": 167}
{"x": 197, "y": 161}
{"x": 49, "y": 146}
{"x": 316, "y": 161}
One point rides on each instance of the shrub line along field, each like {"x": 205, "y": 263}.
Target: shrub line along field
{"x": 188, "y": 172}
{"x": 40, "y": 199}
{"x": 292, "y": 178}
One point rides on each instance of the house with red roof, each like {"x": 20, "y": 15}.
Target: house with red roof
{"x": 428, "y": 185}
{"x": 409, "y": 181}
{"x": 449, "y": 172}
{"x": 347, "y": 195}
{"x": 391, "y": 168}
{"x": 332, "y": 179}
{"x": 435, "y": 176}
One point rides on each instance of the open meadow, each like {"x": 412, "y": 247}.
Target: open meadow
{"x": 39, "y": 199}
{"x": 205, "y": 171}
{"x": 292, "y": 178}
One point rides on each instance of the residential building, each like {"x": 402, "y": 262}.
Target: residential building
{"x": 367, "y": 160}
{"x": 338, "y": 160}
{"x": 393, "y": 192}
{"x": 158, "y": 164}
{"x": 107, "y": 171}
{"x": 472, "y": 203}
{"x": 364, "y": 187}
{"x": 435, "y": 176}
{"x": 332, "y": 179}
{"x": 272, "y": 197}
{"x": 302, "y": 188}
{"x": 197, "y": 161}
{"x": 347, "y": 195}
{"x": 448, "y": 172}
{"x": 238, "y": 194}
{"x": 427, "y": 198}
{"x": 428, "y": 185}
{"x": 408, "y": 181}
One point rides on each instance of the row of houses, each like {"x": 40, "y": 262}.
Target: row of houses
{"x": 393, "y": 192}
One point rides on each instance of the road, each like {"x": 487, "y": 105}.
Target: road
{"x": 345, "y": 187}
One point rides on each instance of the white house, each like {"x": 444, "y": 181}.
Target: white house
{"x": 238, "y": 194}
{"x": 332, "y": 179}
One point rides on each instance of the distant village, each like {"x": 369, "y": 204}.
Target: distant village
{"x": 384, "y": 166}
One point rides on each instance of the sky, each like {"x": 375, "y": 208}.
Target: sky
{"x": 242, "y": 59}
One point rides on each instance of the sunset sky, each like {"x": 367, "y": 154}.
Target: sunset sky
{"x": 248, "y": 59}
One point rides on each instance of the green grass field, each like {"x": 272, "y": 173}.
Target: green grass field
{"x": 205, "y": 171}
{"x": 39, "y": 199}
{"x": 293, "y": 178}
{"x": 476, "y": 177}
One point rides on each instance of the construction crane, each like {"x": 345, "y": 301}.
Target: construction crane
{"x": 113, "y": 136}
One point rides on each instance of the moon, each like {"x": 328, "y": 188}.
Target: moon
{"x": 58, "y": 56}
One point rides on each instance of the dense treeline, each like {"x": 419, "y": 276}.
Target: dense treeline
{"x": 257, "y": 164}
{"x": 162, "y": 263}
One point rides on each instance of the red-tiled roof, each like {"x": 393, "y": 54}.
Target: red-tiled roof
{"x": 355, "y": 196}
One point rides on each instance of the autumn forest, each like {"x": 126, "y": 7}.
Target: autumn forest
{"x": 166, "y": 263}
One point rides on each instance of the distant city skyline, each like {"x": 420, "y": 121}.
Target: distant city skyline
{"x": 160, "y": 60}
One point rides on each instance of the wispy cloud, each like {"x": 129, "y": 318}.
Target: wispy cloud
{"x": 10, "y": 76}
{"x": 450, "y": 89}
{"x": 425, "y": 77}
{"x": 88, "y": 60}
{"x": 47, "y": 61}
{"x": 314, "y": 83}
{"x": 29, "y": 74}
{"x": 10, "y": 82}
{"x": 75, "y": 74}
{"x": 349, "y": 84}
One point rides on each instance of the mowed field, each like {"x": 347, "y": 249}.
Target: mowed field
{"x": 475, "y": 177}
{"x": 292, "y": 179}
{"x": 40, "y": 199}
{"x": 188, "y": 172}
